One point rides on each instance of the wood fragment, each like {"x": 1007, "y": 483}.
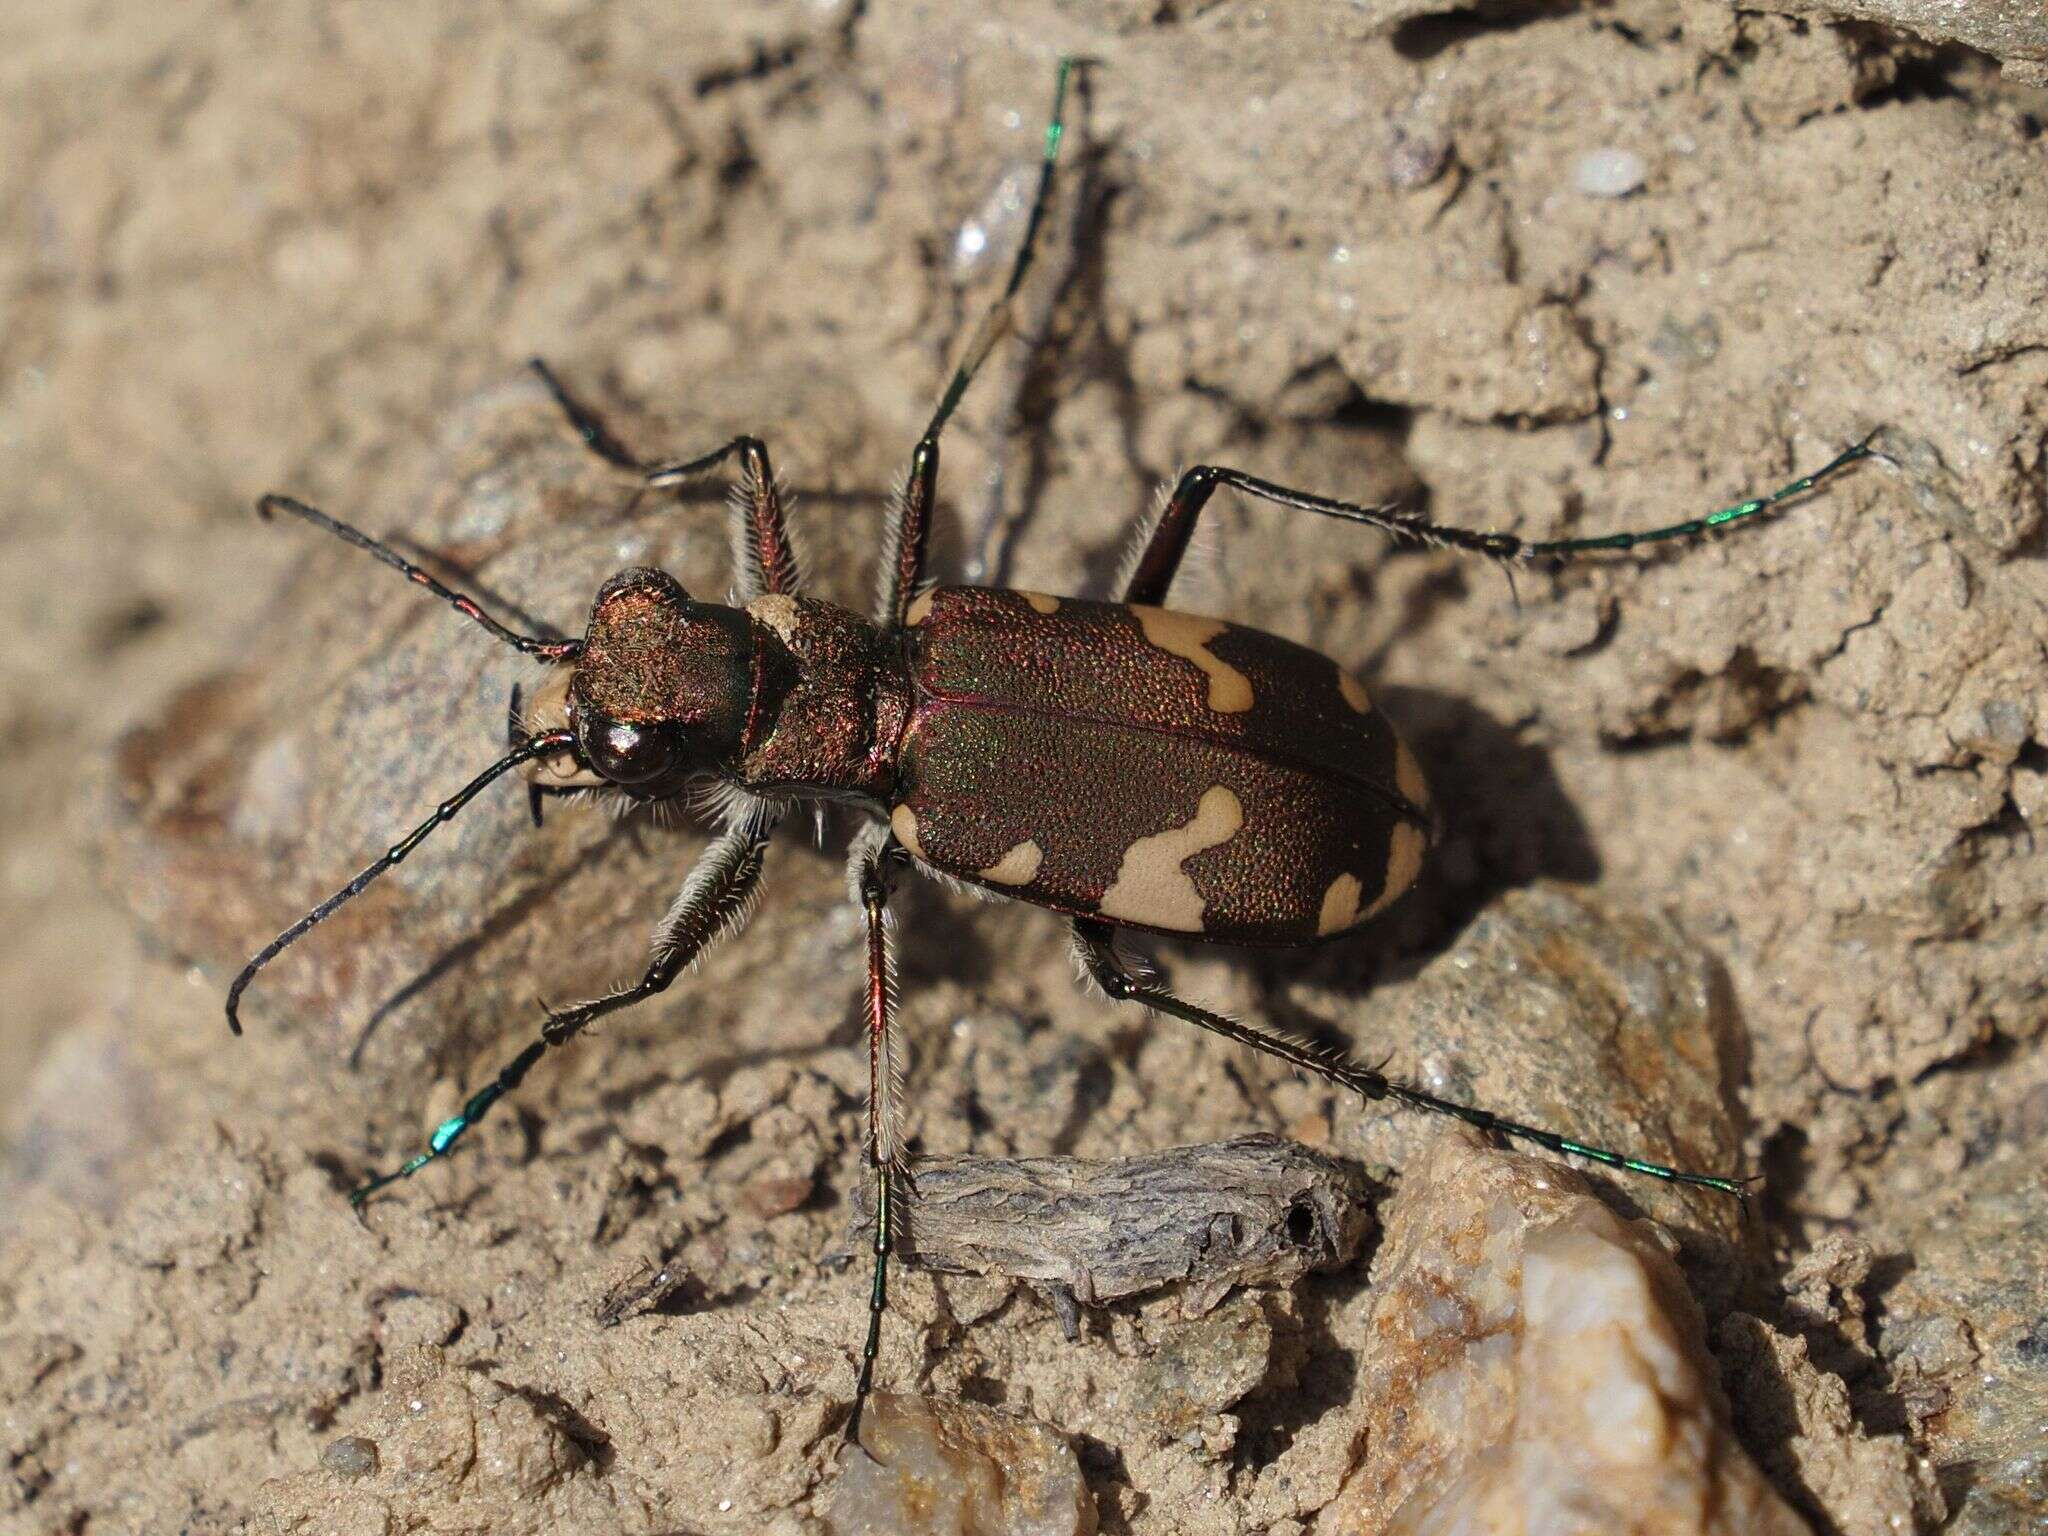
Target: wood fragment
{"x": 1258, "y": 1210}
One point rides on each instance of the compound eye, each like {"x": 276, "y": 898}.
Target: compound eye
{"x": 627, "y": 753}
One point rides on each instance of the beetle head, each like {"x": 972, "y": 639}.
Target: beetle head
{"x": 657, "y": 693}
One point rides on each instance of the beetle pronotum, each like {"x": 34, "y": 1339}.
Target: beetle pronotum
{"x": 1123, "y": 763}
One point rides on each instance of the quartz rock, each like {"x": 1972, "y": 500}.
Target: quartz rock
{"x": 1609, "y": 172}
{"x": 1536, "y": 1366}
{"x": 1585, "y": 1013}
{"x": 926, "y": 1467}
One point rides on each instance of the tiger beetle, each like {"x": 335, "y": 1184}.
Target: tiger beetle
{"x": 1126, "y": 764}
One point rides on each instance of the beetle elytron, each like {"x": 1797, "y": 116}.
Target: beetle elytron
{"x": 1126, "y": 764}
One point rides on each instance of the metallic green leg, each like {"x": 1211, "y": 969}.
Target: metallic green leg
{"x": 996, "y": 323}
{"x": 1721, "y": 519}
{"x": 723, "y": 880}
{"x": 451, "y": 1130}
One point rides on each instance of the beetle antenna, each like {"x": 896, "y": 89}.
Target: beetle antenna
{"x": 546, "y": 650}
{"x": 543, "y": 745}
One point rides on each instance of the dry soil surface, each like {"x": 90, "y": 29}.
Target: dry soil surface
{"x": 1557, "y": 269}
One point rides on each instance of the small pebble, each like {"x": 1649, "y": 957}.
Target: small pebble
{"x": 1610, "y": 173}
{"x": 1533, "y": 1363}
{"x": 1203, "y": 1368}
{"x": 769, "y": 1195}
{"x": 350, "y": 1456}
{"x": 928, "y": 1467}
{"x": 1417, "y": 156}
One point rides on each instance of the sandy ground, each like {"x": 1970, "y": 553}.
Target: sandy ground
{"x": 308, "y": 246}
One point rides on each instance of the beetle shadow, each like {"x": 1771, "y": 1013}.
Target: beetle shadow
{"x": 1315, "y": 1372}
{"x": 1507, "y": 822}
{"x": 940, "y": 935}
{"x": 493, "y": 925}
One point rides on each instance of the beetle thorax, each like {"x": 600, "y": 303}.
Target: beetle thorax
{"x": 831, "y": 704}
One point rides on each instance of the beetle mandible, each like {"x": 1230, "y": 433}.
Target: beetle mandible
{"x": 1124, "y": 763}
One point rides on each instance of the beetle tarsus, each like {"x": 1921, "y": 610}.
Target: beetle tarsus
{"x": 589, "y": 426}
{"x": 768, "y": 562}
{"x": 996, "y": 322}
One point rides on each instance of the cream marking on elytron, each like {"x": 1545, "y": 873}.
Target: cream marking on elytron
{"x": 1188, "y": 635}
{"x": 1017, "y": 867}
{"x": 1404, "y": 863}
{"x": 1039, "y": 601}
{"x": 919, "y": 610}
{"x": 1151, "y": 887}
{"x": 1340, "y": 904}
{"x": 1408, "y": 778}
{"x": 903, "y": 822}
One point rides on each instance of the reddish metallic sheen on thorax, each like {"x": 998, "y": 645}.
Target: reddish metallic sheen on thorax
{"x": 831, "y": 701}
{"x": 1154, "y": 768}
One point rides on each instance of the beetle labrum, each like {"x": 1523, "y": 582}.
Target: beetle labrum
{"x": 1122, "y": 763}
